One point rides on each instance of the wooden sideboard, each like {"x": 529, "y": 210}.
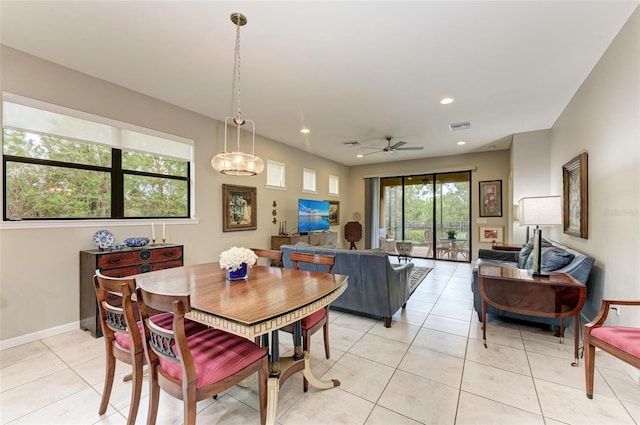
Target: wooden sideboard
{"x": 315, "y": 239}
{"x": 120, "y": 263}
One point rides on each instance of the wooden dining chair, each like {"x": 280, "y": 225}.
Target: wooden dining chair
{"x": 274, "y": 256}
{"x": 619, "y": 341}
{"x": 122, "y": 334}
{"x": 193, "y": 367}
{"x": 320, "y": 319}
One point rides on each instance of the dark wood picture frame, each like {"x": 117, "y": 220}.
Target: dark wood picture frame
{"x": 490, "y": 195}
{"x": 334, "y": 213}
{"x": 575, "y": 191}
{"x": 239, "y": 208}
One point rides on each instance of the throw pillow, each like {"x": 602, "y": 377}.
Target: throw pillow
{"x": 555, "y": 258}
{"x": 523, "y": 255}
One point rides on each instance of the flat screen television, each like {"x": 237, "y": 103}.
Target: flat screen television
{"x": 313, "y": 216}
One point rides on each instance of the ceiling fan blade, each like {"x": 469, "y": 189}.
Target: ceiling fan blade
{"x": 368, "y": 147}
{"x": 397, "y": 145}
{"x": 418, "y": 148}
{"x": 370, "y": 153}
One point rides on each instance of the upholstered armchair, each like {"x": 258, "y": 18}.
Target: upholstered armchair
{"x": 619, "y": 341}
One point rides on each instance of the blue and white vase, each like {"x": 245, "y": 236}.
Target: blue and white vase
{"x": 239, "y": 274}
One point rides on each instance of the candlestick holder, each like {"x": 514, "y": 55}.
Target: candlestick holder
{"x": 163, "y": 240}
{"x": 153, "y": 241}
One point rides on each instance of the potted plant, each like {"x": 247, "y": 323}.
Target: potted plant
{"x": 452, "y": 234}
{"x": 236, "y": 261}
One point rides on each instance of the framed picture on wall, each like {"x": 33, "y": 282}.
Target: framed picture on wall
{"x": 575, "y": 212}
{"x": 490, "y": 234}
{"x": 334, "y": 213}
{"x": 490, "y": 195}
{"x": 239, "y": 208}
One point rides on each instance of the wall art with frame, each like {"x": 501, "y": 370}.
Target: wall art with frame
{"x": 334, "y": 213}
{"x": 575, "y": 211}
{"x": 239, "y": 208}
{"x": 490, "y": 233}
{"x": 490, "y": 195}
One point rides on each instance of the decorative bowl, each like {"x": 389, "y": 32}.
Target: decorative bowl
{"x": 134, "y": 242}
{"x": 116, "y": 245}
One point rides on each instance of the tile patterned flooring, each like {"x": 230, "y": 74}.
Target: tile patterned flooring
{"x": 430, "y": 367}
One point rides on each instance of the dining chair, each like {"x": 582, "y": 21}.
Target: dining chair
{"x": 122, "y": 334}
{"x": 619, "y": 341}
{"x": 197, "y": 366}
{"x": 274, "y": 256}
{"x": 320, "y": 319}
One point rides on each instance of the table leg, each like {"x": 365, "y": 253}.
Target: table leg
{"x": 484, "y": 323}
{"x": 323, "y": 385}
{"x": 275, "y": 355}
{"x": 576, "y": 331}
{"x": 297, "y": 341}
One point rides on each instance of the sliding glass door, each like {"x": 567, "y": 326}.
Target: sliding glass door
{"x": 426, "y": 209}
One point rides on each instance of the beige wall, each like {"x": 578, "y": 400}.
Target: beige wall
{"x": 603, "y": 119}
{"x": 39, "y": 266}
{"x": 487, "y": 166}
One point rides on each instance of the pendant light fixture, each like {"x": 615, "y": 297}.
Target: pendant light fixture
{"x": 238, "y": 163}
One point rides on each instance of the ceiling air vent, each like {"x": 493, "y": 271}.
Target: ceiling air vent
{"x": 351, "y": 143}
{"x": 460, "y": 126}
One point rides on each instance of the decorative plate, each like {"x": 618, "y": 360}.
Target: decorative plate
{"x": 103, "y": 238}
{"x": 133, "y": 242}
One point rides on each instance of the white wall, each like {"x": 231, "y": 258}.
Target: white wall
{"x": 530, "y": 168}
{"x": 603, "y": 118}
{"x": 39, "y": 266}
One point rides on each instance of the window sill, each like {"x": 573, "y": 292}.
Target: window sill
{"x": 58, "y": 224}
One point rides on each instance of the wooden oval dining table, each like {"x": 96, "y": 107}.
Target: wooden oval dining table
{"x": 269, "y": 299}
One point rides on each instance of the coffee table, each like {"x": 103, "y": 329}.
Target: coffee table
{"x": 515, "y": 290}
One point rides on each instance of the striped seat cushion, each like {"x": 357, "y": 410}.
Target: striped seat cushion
{"x": 309, "y": 321}
{"x": 216, "y": 356}
{"x": 624, "y": 338}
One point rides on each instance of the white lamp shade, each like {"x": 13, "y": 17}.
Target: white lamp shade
{"x": 540, "y": 211}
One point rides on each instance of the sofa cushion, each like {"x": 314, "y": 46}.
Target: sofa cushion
{"x": 553, "y": 258}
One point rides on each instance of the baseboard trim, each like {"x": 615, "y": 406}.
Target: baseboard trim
{"x": 35, "y": 336}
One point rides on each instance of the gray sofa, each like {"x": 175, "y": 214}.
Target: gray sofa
{"x": 376, "y": 288}
{"x": 555, "y": 257}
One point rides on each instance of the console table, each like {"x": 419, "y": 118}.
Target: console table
{"x": 119, "y": 263}
{"x": 556, "y": 295}
{"x": 315, "y": 239}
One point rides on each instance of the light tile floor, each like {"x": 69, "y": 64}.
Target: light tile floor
{"x": 430, "y": 367}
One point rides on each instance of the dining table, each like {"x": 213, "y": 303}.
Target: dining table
{"x": 269, "y": 299}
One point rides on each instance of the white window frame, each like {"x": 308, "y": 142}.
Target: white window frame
{"x": 276, "y": 175}
{"x": 334, "y": 185}
{"x": 309, "y": 181}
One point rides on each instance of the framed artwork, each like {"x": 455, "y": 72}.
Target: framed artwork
{"x": 575, "y": 211}
{"x": 490, "y": 198}
{"x": 239, "y": 208}
{"x": 489, "y": 233}
{"x": 334, "y": 213}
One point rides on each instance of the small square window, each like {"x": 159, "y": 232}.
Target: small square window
{"x": 334, "y": 185}
{"x": 275, "y": 174}
{"x": 308, "y": 180}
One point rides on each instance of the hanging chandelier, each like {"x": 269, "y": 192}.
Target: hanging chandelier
{"x": 238, "y": 163}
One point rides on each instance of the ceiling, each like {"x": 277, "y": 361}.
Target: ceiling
{"x": 347, "y": 70}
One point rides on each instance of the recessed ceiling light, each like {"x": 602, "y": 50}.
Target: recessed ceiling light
{"x": 305, "y": 131}
{"x": 446, "y": 100}
{"x": 462, "y": 142}
{"x": 359, "y": 155}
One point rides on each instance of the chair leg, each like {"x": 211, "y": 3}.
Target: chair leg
{"x": 110, "y": 369}
{"x": 589, "y": 365}
{"x": 154, "y": 395}
{"x": 136, "y": 389}
{"x": 263, "y": 375}
{"x": 189, "y": 402}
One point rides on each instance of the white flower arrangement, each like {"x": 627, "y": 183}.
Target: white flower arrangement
{"x": 233, "y": 258}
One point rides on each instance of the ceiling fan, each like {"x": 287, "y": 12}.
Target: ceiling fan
{"x": 392, "y": 149}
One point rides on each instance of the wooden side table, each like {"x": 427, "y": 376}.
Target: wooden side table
{"x": 557, "y": 295}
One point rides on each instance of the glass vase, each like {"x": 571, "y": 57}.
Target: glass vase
{"x": 239, "y": 274}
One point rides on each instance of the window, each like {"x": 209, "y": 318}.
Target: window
{"x": 334, "y": 185}
{"x": 308, "y": 180}
{"x": 275, "y": 174}
{"x": 60, "y": 163}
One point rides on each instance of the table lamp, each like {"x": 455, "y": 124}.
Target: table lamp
{"x": 539, "y": 211}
